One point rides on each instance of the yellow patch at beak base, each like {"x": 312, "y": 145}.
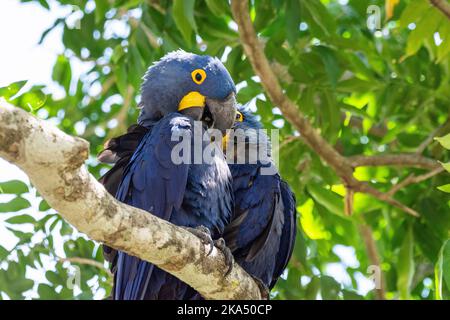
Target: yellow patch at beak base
{"x": 225, "y": 142}
{"x": 192, "y": 99}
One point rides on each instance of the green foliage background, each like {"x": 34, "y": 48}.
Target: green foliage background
{"x": 369, "y": 92}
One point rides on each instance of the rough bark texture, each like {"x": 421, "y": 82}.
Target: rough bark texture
{"x": 54, "y": 162}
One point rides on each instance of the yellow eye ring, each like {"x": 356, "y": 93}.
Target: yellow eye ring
{"x": 239, "y": 116}
{"x": 198, "y": 76}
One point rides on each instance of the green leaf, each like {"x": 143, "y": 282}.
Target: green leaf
{"x": 50, "y": 29}
{"x": 44, "y": 206}
{"x": 101, "y": 7}
{"x": 351, "y": 295}
{"x": 47, "y": 292}
{"x": 66, "y": 229}
{"x": 24, "y": 237}
{"x": 293, "y": 20}
{"x": 444, "y": 141}
{"x": 58, "y": 277}
{"x": 320, "y": 16}
{"x": 137, "y": 65}
{"x": 32, "y": 100}
{"x": 120, "y": 72}
{"x": 444, "y": 49}
{"x": 424, "y": 30}
{"x": 327, "y": 198}
{"x": 62, "y": 72}
{"x": 446, "y": 166}
{"x": 312, "y": 289}
{"x": 14, "y": 205}
{"x": 311, "y": 224}
{"x": 12, "y": 89}
{"x": 330, "y": 62}
{"x": 217, "y": 7}
{"x": 117, "y": 54}
{"x": 3, "y": 253}
{"x": 405, "y": 265}
{"x": 44, "y": 4}
{"x": 445, "y": 188}
{"x": 442, "y": 269}
{"x": 20, "y": 219}
{"x": 301, "y": 248}
{"x": 414, "y": 12}
{"x": 13, "y": 187}
{"x": 13, "y": 280}
{"x": 329, "y": 288}
{"x": 183, "y": 15}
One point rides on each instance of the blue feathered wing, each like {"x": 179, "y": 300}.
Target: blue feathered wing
{"x": 154, "y": 183}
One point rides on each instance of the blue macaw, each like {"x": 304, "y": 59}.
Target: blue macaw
{"x": 262, "y": 232}
{"x": 177, "y": 90}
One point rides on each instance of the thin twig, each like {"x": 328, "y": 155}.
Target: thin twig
{"x": 86, "y": 261}
{"x": 348, "y": 201}
{"x": 400, "y": 160}
{"x": 437, "y": 132}
{"x": 411, "y": 179}
{"x": 412, "y": 160}
{"x": 366, "y": 188}
{"x": 155, "y": 4}
{"x": 374, "y": 258}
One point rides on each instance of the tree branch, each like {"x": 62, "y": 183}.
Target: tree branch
{"x": 374, "y": 258}
{"x": 366, "y": 188}
{"x": 54, "y": 162}
{"x": 442, "y": 129}
{"x": 401, "y": 160}
{"x": 411, "y": 179}
{"x": 340, "y": 164}
{"x": 261, "y": 66}
{"x": 443, "y": 6}
{"x": 86, "y": 261}
{"x": 412, "y": 160}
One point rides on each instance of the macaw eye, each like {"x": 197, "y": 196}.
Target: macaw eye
{"x": 239, "y": 116}
{"x": 198, "y": 76}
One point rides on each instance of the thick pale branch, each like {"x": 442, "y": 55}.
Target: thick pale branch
{"x": 54, "y": 163}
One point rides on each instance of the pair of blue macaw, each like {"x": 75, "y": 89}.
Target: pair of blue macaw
{"x": 254, "y": 214}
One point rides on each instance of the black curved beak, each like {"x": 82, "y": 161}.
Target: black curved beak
{"x": 220, "y": 114}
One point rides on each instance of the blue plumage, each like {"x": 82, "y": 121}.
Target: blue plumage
{"x": 177, "y": 90}
{"x": 187, "y": 195}
{"x": 262, "y": 232}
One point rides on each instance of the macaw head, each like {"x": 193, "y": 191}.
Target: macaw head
{"x": 247, "y": 130}
{"x": 194, "y": 85}
{"x": 245, "y": 119}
